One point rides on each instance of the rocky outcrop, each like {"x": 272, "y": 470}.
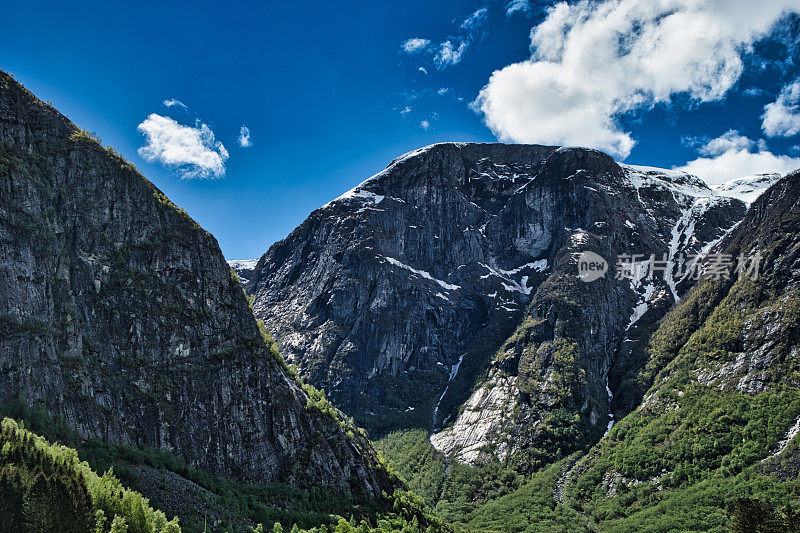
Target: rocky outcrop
{"x": 119, "y": 314}
{"x": 448, "y": 283}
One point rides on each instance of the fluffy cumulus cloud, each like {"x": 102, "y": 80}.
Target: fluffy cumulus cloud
{"x": 732, "y": 155}
{"x": 594, "y": 62}
{"x": 191, "y": 150}
{"x": 244, "y": 137}
{"x": 425, "y": 125}
{"x": 415, "y": 45}
{"x": 781, "y": 118}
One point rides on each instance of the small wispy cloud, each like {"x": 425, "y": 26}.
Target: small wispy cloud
{"x": 405, "y": 111}
{"x": 415, "y": 45}
{"x": 170, "y": 102}
{"x": 244, "y": 137}
{"x": 425, "y": 125}
{"x": 443, "y": 91}
{"x": 517, "y": 6}
{"x": 753, "y": 91}
{"x": 449, "y": 54}
{"x": 475, "y": 20}
{"x": 730, "y": 140}
{"x": 450, "y": 51}
{"x": 190, "y": 150}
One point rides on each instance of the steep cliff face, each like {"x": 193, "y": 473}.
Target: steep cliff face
{"x": 119, "y": 313}
{"x": 449, "y": 282}
{"x": 724, "y": 404}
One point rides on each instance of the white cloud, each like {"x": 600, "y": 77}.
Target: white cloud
{"x": 478, "y": 18}
{"x": 425, "y": 125}
{"x": 514, "y": 6}
{"x": 415, "y": 45}
{"x": 174, "y": 102}
{"x": 423, "y": 70}
{"x": 732, "y": 156}
{"x": 244, "y": 137}
{"x": 753, "y": 91}
{"x": 192, "y": 150}
{"x": 405, "y": 111}
{"x": 593, "y": 62}
{"x": 781, "y": 118}
{"x": 443, "y": 91}
{"x": 451, "y": 51}
{"x": 449, "y": 54}
{"x": 728, "y": 141}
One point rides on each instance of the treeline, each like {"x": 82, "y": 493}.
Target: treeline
{"x": 52, "y": 487}
{"x": 46, "y": 487}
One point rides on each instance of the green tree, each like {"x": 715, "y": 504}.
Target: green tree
{"x": 119, "y": 525}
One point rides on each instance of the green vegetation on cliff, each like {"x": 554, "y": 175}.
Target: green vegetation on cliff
{"x": 46, "y": 487}
{"x": 233, "y": 505}
{"x": 706, "y": 450}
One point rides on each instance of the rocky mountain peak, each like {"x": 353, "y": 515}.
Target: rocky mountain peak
{"x": 119, "y": 315}
{"x": 401, "y": 296}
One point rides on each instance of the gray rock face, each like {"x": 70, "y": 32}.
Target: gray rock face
{"x": 453, "y": 272}
{"x": 119, "y": 313}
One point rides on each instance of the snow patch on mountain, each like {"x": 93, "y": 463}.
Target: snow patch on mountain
{"x": 421, "y": 273}
{"x": 676, "y": 181}
{"x": 243, "y": 268}
{"x": 509, "y": 283}
{"x": 748, "y": 188}
{"x": 244, "y": 264}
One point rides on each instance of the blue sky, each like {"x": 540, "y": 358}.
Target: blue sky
{"x": 332, "y": 91}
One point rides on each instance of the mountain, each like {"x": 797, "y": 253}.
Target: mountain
{"x": 720, "y": 420}
{"x": 748, "y": 188}
{"x": 244, "y": 268}
{"x": 442, "y": 293}
{"x": 120, "y": 318}
{"x": 714, "y": 442}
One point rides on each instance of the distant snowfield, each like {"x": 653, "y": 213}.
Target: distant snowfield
{"x": 746, "y": 188}
{"x": 241, "y": 265}
{"x": 244, "y": 264}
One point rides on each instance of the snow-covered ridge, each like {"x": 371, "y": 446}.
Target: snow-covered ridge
{"x": 675, "y": 180}
{"x": 748, "y": 188}
{"x": 243, "y": 264}
{"x": 360, "y": 191}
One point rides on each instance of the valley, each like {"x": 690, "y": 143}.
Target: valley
{"x": 438, "y": 306}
